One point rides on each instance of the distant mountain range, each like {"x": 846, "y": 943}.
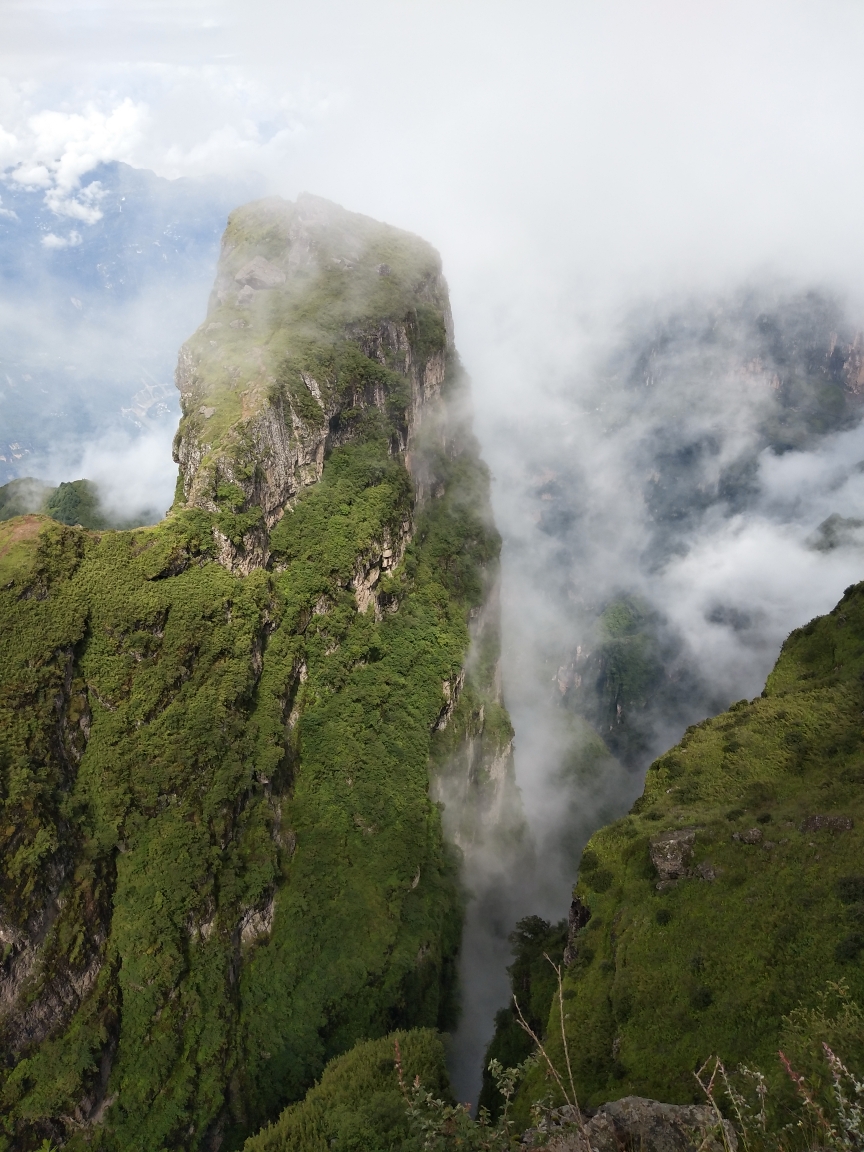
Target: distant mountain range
{"x": 92, "y": 313}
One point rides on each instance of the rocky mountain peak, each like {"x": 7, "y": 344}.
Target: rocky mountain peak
{"x": 320, "y": 321}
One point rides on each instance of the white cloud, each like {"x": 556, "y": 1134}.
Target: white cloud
{"x": 51, "y": 240}
{"x": 57, "y": 148}
{"x": 30, "y": 175}
{"x": 8, "y": 148}
{"x": 83, "y": 205}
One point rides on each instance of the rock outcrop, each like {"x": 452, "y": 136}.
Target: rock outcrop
{"x": 220, "y": 863}
{"x": 634, "y": 1124}
{"x": 671, "y": 853}
{"x": 297, "y": 346}
{"x": 577, "y": 919}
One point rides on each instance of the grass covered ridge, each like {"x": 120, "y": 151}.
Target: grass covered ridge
{"x": 770, "y": 904}
{"x": 358, "y": 1103}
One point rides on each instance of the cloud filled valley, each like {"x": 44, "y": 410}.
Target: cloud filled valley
{"x": 650, "y": 232}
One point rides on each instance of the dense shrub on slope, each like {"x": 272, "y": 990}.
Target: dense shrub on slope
{"x": 219, "y": 862}
{"x": 76, "y": 502}
{"x": 534, "y": 985}
{"x": 734, "y": 890}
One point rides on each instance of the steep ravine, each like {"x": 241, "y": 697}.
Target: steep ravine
{"x": 220, "y": 863}
{"x": 724, "y": 908}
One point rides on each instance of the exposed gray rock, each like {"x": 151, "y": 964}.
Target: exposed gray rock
{"x": 635, "y": 1124}
{"x": 751, "y": 836}
{"x": 257, "y": 922}
{"x": 827, "y": 824}
{"x": 451, "y": 693}
{"x": 671, "y": 852}
{"x": 260, "y": 273}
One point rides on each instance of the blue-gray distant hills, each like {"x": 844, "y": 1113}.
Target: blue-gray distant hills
{"x": 91, "y": 314}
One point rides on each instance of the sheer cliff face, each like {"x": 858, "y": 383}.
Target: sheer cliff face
{"x": 317, "y": 316}
{"x": 219, "y": 860}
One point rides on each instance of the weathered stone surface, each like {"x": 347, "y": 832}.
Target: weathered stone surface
{"x": 751, "y": 836}
{"x": 269, "y": 445}
{"x": 827, "y": 824}
{"x": 671, "y": 852}
{"x": 635, "y": 1124}
{"x": 260, "y": 273}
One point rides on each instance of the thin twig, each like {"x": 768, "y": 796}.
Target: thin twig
{"x": 527, "y": 1027}
{"x": 708, "y": 1089}
{"x": 572, "y": 1103}
{"x": 557, "y": 970}
{"x": 579, "y": 1117}
{"x": 737, "y": 1102}
{"x": 801, "y": 1087}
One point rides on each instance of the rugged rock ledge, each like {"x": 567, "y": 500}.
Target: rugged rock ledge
{"x": 637, "y": 1124}
{"x": 266, "y": 385}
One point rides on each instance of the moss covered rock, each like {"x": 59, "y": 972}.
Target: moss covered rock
{"x": 220, "y": 865}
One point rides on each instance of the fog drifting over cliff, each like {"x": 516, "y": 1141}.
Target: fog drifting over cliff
{"x": 588, "y": 172}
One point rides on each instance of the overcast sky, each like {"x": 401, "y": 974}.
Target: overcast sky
{"x": 597, "y": 144}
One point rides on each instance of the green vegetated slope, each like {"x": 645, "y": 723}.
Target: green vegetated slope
{"x": 624, "y": 675}
{"x": 219, "y": 862}
{"x": 358, "y": 1103}
{"x": 73, "y": 502}
{"x": 705, "y": 951}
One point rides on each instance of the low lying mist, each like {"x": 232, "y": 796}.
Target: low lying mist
{"x": 96, "y": 295}
{"x": 673, "y": 502}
